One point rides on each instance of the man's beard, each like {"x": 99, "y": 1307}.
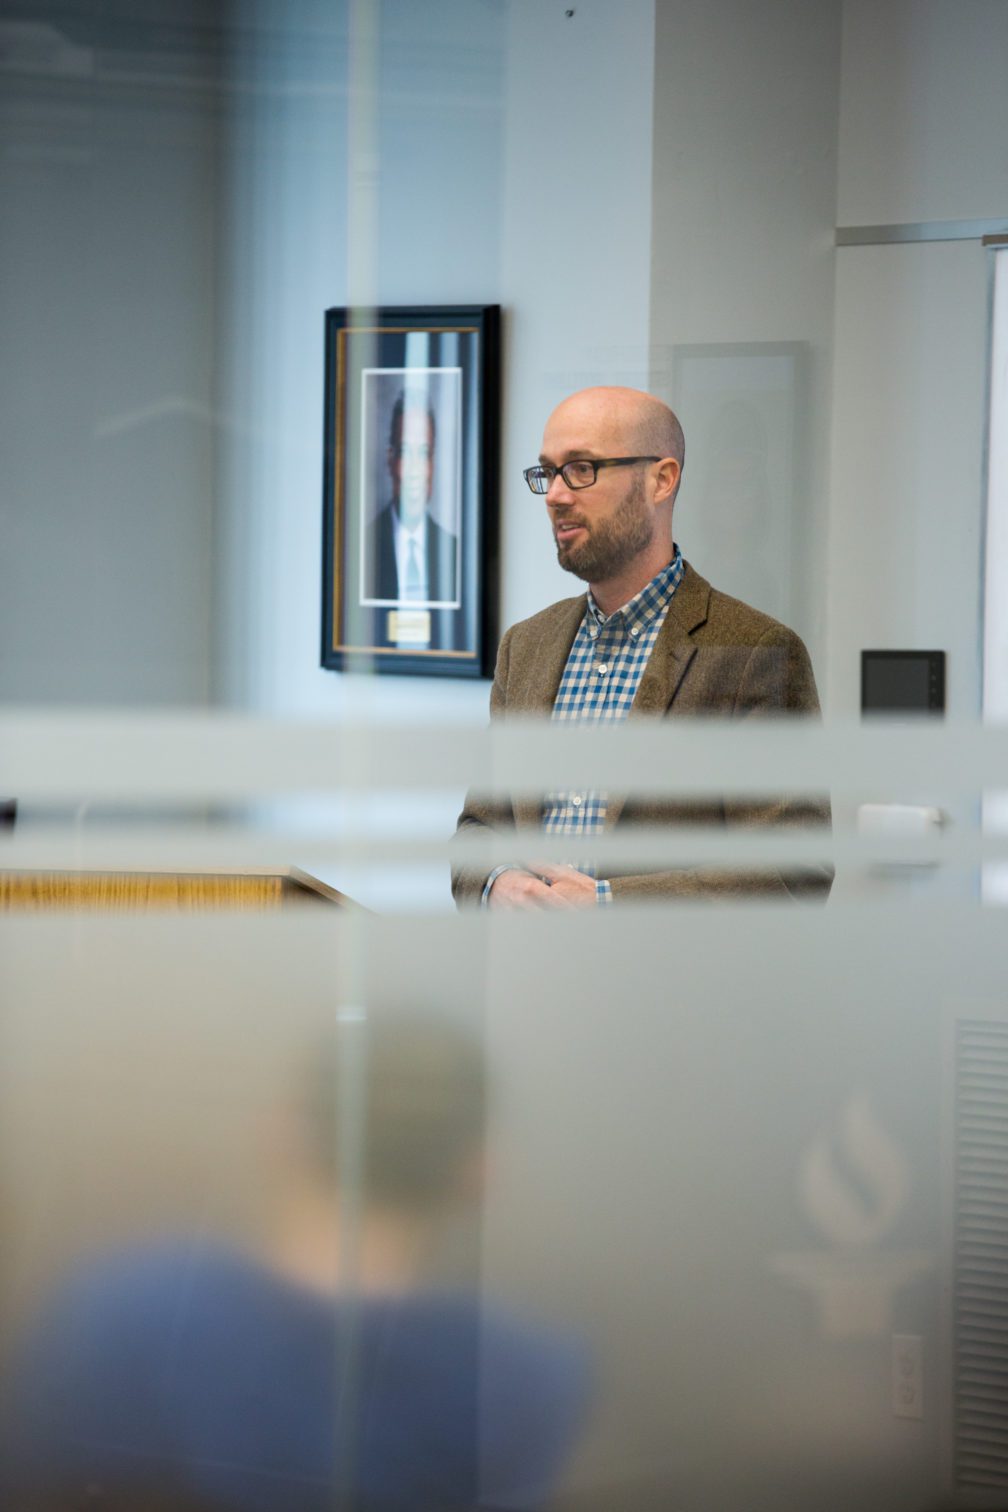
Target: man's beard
{"x": 611, "y": 543}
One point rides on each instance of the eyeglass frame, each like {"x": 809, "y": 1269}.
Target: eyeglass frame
{"x": 594, "y": 462}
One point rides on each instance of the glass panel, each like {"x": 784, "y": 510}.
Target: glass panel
{"x": 995, "y": 646}
{"x": 298, "y": 1207}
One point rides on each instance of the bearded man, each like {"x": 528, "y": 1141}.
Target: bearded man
{"x": 650, "y": 637}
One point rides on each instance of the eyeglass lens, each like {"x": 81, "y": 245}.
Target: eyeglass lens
{"x": 577, "y": 474}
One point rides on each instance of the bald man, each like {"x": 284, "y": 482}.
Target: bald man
{"x": 651, "y": 636}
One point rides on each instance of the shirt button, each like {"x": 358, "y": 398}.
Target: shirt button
{"x": 634, "y": 630}
{"x": 593, "y": 633}
{"x": 602, "y": 669}
{"x": 576, "y": 800}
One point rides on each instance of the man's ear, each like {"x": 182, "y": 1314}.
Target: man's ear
{"x": 667, "y": 480}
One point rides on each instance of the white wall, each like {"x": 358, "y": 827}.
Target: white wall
{"x": 906, "y": 488}
{"x": 923, "y": 118}
{"x": 744, "y": 204}
{"x": 106, "y": 295}
{"x": 923, "y": 122}
{"x": 924, "y": 111}
{"x": 576, "y": 243}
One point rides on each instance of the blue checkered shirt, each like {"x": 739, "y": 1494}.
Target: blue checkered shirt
{"x": 603, "y": 671}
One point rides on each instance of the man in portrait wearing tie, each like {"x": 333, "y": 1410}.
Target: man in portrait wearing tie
{"x": 408, "y": 557}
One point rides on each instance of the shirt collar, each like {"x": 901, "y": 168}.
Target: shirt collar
{"x": 404, "y": 531}
{"x": 653, "y": 599}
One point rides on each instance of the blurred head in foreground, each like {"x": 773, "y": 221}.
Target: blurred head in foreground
{"x": 387, "y": 1144}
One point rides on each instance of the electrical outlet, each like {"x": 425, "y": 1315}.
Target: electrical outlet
{"x": 908, "y": 1375}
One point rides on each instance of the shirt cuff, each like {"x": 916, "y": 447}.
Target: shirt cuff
{"x": 603, "y": 892}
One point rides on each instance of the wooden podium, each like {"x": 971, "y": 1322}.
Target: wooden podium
{"x": 168, "y": 892}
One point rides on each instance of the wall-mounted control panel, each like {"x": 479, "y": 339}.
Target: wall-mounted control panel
{"x": 902, "y": 682}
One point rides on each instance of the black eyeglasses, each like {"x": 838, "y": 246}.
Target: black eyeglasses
{"x": 581, "y": 473}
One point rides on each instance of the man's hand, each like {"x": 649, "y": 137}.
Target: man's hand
{"x": 544, "y": 885}
{"x": 567, "y": 883}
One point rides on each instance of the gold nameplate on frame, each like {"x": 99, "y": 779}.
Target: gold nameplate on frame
{"x": 409, "y": 627}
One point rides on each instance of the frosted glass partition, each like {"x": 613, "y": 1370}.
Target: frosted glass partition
{"x": 681, "y": 1204}
{"x": 995, "y": 642}
{"x": 996, "y": 555}
{"x": 369, "y": 805}
{"x": 698, "y": 1207}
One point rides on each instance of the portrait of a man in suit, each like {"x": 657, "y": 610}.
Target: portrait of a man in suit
{"x": 409, "y": 558}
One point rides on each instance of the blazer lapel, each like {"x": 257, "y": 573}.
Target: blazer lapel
{"x": 433, "y": 559}
{"x": 672, "y": 654}
{"x": 535, "y": 690}
{"x": 534, "y": 687}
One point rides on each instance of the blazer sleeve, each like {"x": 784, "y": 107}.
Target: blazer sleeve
{"x": 481, "y": 813}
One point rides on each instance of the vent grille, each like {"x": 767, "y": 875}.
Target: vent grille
{"x": 981, "y": 1255}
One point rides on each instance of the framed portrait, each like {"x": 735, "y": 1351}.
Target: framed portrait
{"x": 410, "y": 490}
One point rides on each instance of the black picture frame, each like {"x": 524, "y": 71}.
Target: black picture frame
{"x": 410, "y": 507}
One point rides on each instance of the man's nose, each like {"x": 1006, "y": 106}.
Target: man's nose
{"x": 558, "y": 491}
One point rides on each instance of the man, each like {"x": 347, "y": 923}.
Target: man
{"x": 409, "y": 557}
{"x": 653, "y": 637}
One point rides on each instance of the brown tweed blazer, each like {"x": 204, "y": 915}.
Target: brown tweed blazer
{"x": 714, "y": 656}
